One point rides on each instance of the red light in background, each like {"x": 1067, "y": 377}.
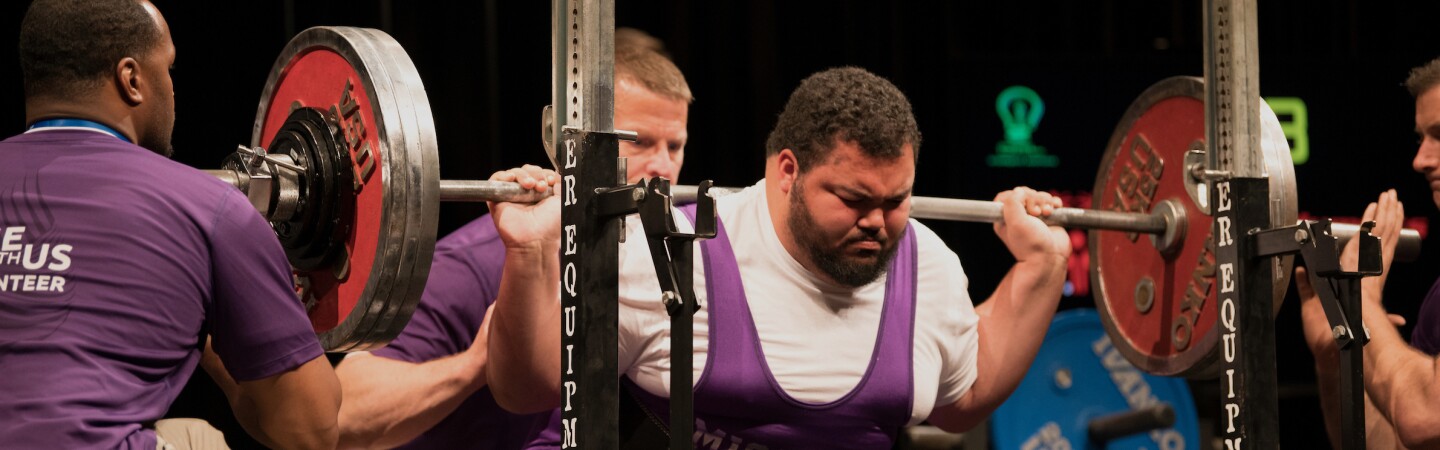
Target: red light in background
{"x": 1077, "y": 272}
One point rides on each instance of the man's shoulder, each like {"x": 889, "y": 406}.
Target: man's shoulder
{"x": 928, "y": 243}
{"x": 117, "y": 173}
{"x": 939, "y": 268}
{"x": 191, "y": 191}
{"x": 748, "y": 202}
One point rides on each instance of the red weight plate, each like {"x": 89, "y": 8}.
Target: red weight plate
{"x": 1160, "y": 309}
{"x": 385, "y": 127}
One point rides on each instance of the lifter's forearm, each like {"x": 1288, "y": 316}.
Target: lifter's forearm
{"x": 1018, "y": 315}
{"x": 389, "y": 402}
{"x": 524, "y": 367}
{"x": 1011, "y": 328}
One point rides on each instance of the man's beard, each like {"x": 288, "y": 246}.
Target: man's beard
{"x": 160, "y": 135}
{"x": 833, "y": 261}
{"x": 165, "y": 149}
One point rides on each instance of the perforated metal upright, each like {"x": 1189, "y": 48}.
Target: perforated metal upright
{"x": 1249, "y": 407}
{"x": 583, "y": 104}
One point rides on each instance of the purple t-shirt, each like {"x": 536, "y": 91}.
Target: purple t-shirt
{"x": 114, "y": 264}
{"x": 464, "y": 281}
{"x": 1426, "y": 336}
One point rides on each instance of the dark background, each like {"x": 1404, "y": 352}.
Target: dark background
{"x": 486, "y": 66}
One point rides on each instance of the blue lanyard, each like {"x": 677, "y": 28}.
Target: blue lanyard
{"x": 79, "y": 123}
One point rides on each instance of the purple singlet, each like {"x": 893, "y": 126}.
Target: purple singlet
{"x": 738, "y": 403}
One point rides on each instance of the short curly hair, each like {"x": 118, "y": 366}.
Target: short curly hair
{"x": 1423, "y": 78}
{"x": 68, "y": 46}
{"x": 844, "y": 104}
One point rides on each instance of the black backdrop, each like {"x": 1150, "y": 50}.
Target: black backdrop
{"x": 486, "y": 66}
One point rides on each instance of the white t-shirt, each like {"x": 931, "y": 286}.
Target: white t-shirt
{"x": 818, "y": 349}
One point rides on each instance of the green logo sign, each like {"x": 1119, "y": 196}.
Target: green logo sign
{"x": 1295, "y": 122}
{"x": 1020, "y": 110}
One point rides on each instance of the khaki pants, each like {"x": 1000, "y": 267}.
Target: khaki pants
{"x": 188, "y": 434}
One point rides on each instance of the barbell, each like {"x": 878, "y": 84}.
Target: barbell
{"x": 984, "y": 211}
{"x": 343, "y": 162}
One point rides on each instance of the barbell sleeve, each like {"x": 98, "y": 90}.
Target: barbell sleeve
{"x": 1408, "y": 249}
{"x": 230, "y": 177}
{"x": 1113, "y": 426}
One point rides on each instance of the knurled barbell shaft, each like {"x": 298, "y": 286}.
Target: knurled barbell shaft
{"x": 485, "y": 191}
{"x": 989, "y": 212}
{"x": 1408, "y": 248}
{"x": 921, "y": 207}
{"x": 981, "y": 211}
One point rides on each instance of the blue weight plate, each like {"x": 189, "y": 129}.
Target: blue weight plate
{"x": 1078, "y": 376}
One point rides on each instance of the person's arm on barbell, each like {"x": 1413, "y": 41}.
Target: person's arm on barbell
{"x": 295, "y": 409}
{"x": 389, "y": 402}
{"x": 524, "y": 341}
{"x": 1014, "y": 319}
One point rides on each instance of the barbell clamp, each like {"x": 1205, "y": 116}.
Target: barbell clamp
{"x": 1199, "y": 172}
{"x": 259, "y": 155}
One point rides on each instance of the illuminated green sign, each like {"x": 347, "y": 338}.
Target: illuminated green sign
{"x": 1295, "y": 122}
{"x": 1020, "y": 110}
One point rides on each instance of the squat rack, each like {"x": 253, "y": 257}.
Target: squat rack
{"x": 582, "y": 117}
